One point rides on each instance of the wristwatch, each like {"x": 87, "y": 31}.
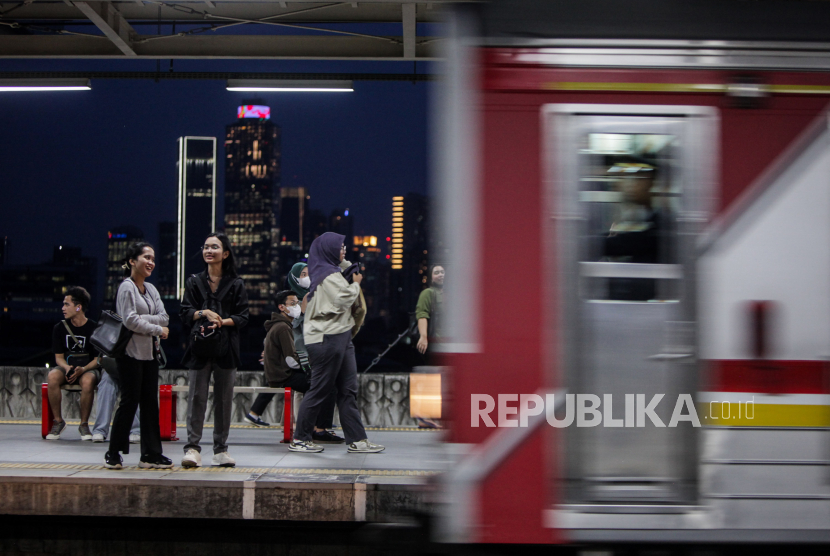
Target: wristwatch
{"x": 201, "y": 313}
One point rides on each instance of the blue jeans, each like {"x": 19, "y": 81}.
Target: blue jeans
{"x": 107, "y": 393}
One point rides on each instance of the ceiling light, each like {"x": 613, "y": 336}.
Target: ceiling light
{"x": 12, "y": 85}
{"x": 290, "y": 85}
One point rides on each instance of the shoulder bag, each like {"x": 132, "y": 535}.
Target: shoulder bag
{"x": 110, "y": 337}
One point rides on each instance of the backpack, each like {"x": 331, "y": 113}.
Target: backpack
{"x": 209, "y": 343}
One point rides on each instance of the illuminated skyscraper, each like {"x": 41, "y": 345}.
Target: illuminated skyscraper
{"x": 118, "y": 239}
{"x": 197, "y": 204}
{"x": 252, "y": 179}
{"x": 410, "y": 245}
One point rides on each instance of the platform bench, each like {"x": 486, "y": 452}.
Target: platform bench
{"x": 167, "y": 407}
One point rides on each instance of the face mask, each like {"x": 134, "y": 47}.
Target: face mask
{"x": 293, "y": 312}
{"x": 304, "y": 282}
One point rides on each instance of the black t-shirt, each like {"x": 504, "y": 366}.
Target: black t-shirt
{"x": 63, "y": 343}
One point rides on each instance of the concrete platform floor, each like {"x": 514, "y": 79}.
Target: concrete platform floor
{"x": 67, "y": 477}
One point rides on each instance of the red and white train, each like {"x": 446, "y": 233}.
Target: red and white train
{"x": 541, "y": 145}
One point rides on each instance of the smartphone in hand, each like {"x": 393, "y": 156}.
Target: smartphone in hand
{"x": 70, "y": 374}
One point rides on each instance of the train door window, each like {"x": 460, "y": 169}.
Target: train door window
{"x": 628, "y": 187}
{"x": 629, "y": 201}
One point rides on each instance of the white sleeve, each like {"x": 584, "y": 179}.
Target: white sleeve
{"x": 292, "y": 363}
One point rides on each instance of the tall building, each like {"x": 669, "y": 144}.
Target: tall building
{"x": 367, "y": 251}
{"x": 197, "y": 204}
{"x": 315, "y": 225}
{"x": 30, "y": 303}
{"x": 409, "y": 251}
{"x": 118, "y": 239}
{"x": 342, "y": 222}
{"x": 164, "y": 277}
{"x": 292, "y": 216}
{"x": 252, "y": 179}
{"x": 292, "y": 247}
{"x": 35, "y": 292}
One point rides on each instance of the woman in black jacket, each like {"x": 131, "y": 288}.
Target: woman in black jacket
{"x": 215, "y": 302}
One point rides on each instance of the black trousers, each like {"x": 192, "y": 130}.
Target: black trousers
{"x": 300, "y": 382}
{"x": 332, "y": 367}
{"x": 139, "y": 382}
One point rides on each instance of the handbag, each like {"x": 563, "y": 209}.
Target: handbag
{"x": 110, "y": 337}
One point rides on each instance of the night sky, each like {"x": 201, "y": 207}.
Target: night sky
{"x": 75, "y": 164}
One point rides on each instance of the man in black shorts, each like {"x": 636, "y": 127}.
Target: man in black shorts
{"x": 76, "y": 360}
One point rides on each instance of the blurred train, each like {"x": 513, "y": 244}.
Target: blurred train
{"x": 636, "y": 204}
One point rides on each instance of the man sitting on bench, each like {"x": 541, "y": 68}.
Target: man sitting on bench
{"x": 76, "y": 360}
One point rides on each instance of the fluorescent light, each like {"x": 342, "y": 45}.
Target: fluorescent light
{"x": 290, "y": 85}
{"x": 14, "y": 85}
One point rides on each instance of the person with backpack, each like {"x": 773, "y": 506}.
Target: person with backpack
{"x": 330, "y": 321}
{"x": 215, "y": 307}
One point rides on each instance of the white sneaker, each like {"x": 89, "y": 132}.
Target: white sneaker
{"x": 222, "y": 459}
{"x": 135, "y": 439}
{"x": 192, "y": 458}
{"x": 97, "y": 437}
{"x": 304, "y": 446}
{"x": 365, "y": 447}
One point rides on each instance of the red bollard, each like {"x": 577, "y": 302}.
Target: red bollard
{"x": 287, "y": 433}
{"x": 46, "y": 418}
{"x": 167, "y": 412}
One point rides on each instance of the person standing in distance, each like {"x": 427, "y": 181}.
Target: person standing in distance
{"x": 75, "y": 360}
{"x": 224, "y": 291}
{"x": 428, "y": 308}
{"x": 142, "y": 311}
{"x": 328, "y": 339}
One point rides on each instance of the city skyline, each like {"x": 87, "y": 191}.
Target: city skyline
{"x": 352, "y": 151}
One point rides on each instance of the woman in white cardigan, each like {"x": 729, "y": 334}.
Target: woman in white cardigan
{"x": 142, "y": 311}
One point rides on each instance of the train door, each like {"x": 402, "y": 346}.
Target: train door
{"x": 630, "y": 188}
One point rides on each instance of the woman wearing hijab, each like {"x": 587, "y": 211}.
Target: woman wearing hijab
{"x": 327, "y": 333}
{"x": 298, "y": 283}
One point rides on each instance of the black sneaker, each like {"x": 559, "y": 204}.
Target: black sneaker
{"x": 256, "y": 421}
{"x": 112, "y": 460}
{"x": 157, "y": 461}
{"x": 326, "y": 437}
{"x": 57, "y": 428}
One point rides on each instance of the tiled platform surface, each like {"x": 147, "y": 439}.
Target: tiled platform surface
{"x": 67, "y": 477}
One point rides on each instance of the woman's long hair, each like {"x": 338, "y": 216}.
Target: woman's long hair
{"x": 228, "y": 263}
{"x": 134, "y": 251}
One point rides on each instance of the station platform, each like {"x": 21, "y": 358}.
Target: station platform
{"x": 67, "y": 477}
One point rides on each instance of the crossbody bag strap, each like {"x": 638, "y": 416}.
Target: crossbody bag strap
{"x": 74, "y": 339}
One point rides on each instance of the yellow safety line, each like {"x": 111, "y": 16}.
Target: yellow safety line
{"x": 248, "y": 470}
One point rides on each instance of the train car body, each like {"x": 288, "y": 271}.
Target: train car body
{"x": 639, "y": 282}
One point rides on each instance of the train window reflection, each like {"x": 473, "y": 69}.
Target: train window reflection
{"x": 629, "y": 196}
